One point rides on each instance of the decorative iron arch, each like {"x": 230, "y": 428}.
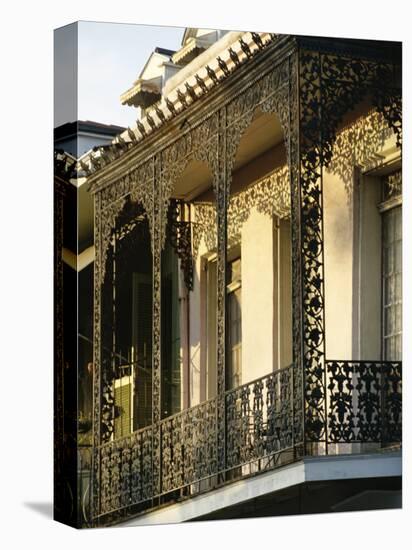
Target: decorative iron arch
{"x": 301, "y": 90}
{"x": 199, "y": 144}
{"x": 271, "y": 95}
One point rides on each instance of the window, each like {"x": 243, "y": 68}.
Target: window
{"x": 123, "y": 399}
{"x": 141, "y": 350}
{"x": 208, "y": 348}
{"x": 234, "y": 325}
{"x": 391, "y": 211}
{"x": 233, "y": 322}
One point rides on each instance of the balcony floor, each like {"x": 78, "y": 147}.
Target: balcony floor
{"x": 360, "y": 474}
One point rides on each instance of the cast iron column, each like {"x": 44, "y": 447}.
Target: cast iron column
{"x": 221, "y": 200}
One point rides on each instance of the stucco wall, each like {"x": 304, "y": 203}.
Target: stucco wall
{"x": 196, "y": 325}
{"x": 257, "y": 296}
{"x": 368, "y": 328}
{"x": 338, "y": 267}
{"x": 352, "y": 262}
{"x": 266, "y": 305}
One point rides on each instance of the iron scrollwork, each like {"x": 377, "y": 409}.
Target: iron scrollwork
{"x": 259, "y": 419}
{"x": 269, "y": 195}
{"x": 180, "y": 234}
{"x": 270, "y": 93}
{"x": 221, "y": 191}
{"x": 364, "y": 406}
{"x": 330, "y": 86}
{"x": 311, "y": 224}
{"x": 157, "y": 239}
{"x": 365, "y": 401}
{"x": 310, "y": 92}
{"x": 189, "y": 447}
{"x": 196, "y": 144}
{"x": 109, "y": 205}
{"x": 293, "y": 147}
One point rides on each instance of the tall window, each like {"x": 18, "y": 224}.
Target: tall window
{"x": 128, "y": 322}
{"x": 234, "y": 325}
{"x": 391, "y": 210}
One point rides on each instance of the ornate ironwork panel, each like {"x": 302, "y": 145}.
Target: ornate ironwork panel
{"x": 259, "y": 419}
{"x": 189, "y": 446}
{"x": 112, "y": 221}
{"x": 221, "y": 192}
{"x": 364, "y": 405}
{"x": 96, "y": 483}
{"x": 364, "y": 401}
{"x": 126, "y": 471}
{"x": 392, "y": 402}
{"x": 196, "y": 144}
{"x": 172, "y": 458}
{"x": 142, "y": 476}
{"x": 180, "y": 234}
{"x": 157, "y": 239}
{"x": 270, "y": 93}
{"x": 311, "y": 223}
{"x": 296, "y": 246}
{"x": 329, "y": 87}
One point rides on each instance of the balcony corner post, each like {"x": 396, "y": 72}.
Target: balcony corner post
{"x": 293, "y": 145}
{"x": 157, "y": 213}
{"x": 221, "y": 200}
{"x": 95, "y": 477}
{"x": 306, "y": 162}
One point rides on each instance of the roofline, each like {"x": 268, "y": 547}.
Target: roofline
{"x": 73, "y": 128}
{"x": 164, "y": 51}
{"x": 159, "y": 51}
{"x": 388, "y": 50}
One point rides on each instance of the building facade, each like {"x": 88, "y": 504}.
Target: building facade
{"x": 247, "y": 284}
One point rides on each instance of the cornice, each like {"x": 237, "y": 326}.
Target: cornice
{"x": 374, "y": 50}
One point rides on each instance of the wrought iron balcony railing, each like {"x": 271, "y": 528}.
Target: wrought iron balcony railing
{"x": 364, "y": 401}
{"x": 263, "y": 430}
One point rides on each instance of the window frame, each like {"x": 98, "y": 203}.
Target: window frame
{"x": 387, "y": 205}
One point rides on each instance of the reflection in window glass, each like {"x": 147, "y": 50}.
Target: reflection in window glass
{"x": 234, "y": 325}
{"x": 392, "y": 284}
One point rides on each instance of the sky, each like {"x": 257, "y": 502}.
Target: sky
{"x": 110, "y": 58}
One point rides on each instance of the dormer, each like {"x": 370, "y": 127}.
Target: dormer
{"x": 163, "y": 65}
{"x": 194, "y": 42}
{"x": 147, "y": 89}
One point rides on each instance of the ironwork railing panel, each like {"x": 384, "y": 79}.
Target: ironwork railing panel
{"x": 188, "y": 443}
{"x": 84, "y": 468}
{"x": 365, "y": 401}
{"x": 126, "y": 471}
{"x": 263, "y": 430}
{"x": 259, "y": 418}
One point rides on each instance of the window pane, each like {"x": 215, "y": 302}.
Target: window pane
{"x": 392, "y": 283}
{"x": 388, "y": 260}
{"x": 398, "y": 224}
{"x": 398, "y": 256}
{"x": 388, "y": 321}
{"x": 234, "y": 307}
{"x": 388, "y": 291}
{"x": 398, "y": 318}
